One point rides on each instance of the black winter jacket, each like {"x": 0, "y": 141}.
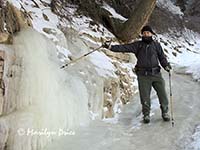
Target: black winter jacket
{"x": 148, "y": 55}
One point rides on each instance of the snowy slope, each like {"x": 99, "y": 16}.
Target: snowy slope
{"x": 181, "y": 47}
{"x": 183, "y": 52}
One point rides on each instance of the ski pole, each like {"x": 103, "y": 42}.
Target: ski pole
{"x": 171, "y": 101}
{"x": 77, "y": 59}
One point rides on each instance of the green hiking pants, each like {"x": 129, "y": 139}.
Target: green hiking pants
{"x": 145, "y": 83}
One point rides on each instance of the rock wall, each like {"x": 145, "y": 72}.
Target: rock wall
{"x": 12, "y": 20}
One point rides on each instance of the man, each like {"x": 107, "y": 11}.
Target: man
{"x": 148, "y": 53}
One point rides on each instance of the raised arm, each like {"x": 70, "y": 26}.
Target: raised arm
{"x": 125, "y": 48}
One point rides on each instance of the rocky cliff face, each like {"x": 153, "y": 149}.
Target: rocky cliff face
{"x": 162, "y": 19}
{"x": 123, "y": 7}
{"x": 11, "y": 21}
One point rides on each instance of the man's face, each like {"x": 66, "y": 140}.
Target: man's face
{"x": 147, "y": 34}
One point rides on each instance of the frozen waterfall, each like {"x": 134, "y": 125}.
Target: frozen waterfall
{"x": 40, "y": 95}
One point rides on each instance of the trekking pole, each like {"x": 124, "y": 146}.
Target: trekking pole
{"x": 171, "y": 102}
{"x": 77, "y": 59}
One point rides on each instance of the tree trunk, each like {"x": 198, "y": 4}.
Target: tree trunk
{"x": 131, "y": 28}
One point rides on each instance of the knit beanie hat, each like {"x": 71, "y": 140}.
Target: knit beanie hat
{"x": 147, "y": 28}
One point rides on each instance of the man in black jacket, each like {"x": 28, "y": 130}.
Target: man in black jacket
{"x": 149, "y": 54}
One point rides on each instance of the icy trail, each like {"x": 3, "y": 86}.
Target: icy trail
{"x": 129, "y": 133}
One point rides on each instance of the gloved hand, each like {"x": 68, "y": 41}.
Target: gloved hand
{"x": 168, "y": 68}
{"x": 106, "y": 44}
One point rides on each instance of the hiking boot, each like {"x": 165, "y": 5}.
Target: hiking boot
{"x": 146, "y": 119}
{"x": 166, "y": 117}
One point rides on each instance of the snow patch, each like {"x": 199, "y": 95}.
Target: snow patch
{"x": 113, "y": 12}
{"x": 195, "y": 70}
{"x": 113, "y": 120}
{"x": 16, "y": 3}
{"x": 63, "y": 53}
{"x": 183, "y": 51}
{"x": 103, "y": 64}
{"x": 37, "y": 15}
{"x": 167, "y": 4}
{"x": 195, "y": 140}
{"x": 93, "y": 115}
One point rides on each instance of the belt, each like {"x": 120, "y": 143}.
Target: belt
{"x": 147, "y": 71}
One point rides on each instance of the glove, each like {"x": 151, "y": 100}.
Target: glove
{"x": 168, "y": 68}
{"x": 106, "y": 45}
